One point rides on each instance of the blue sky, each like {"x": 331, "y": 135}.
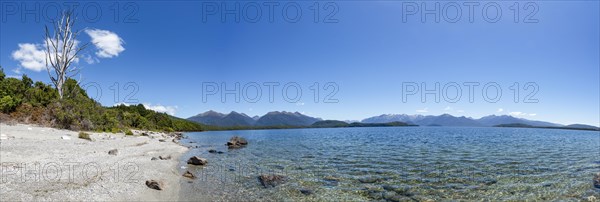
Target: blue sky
{"x": 367, "y": 50}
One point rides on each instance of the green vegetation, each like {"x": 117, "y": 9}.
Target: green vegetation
{"x": 330, "y": 124}
{"x": 84, "y": 135}
{"x": 38, "y": 103}
{"x": 128, "y": 132}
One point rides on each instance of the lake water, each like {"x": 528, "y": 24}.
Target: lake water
{"x": 397, "y": 164}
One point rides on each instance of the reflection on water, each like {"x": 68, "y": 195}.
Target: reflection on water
{"x": 397, "y": 164}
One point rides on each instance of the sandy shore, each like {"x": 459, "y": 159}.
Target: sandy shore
{"x": 45, "y": 164}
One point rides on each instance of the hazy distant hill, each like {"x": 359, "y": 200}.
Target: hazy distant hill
{"x": 493, "y": 120}
{"x": 285, "y": 119}
{"x": 582, "y": 126}
{"x": 386, "y": 118}
{"x": 342, "y": 124}
{"x": 441, "y": 120}
{"x": 449, "y": 120}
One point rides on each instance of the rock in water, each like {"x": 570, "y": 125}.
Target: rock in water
{"x": 369, "y": 179}
{"x": 113, "y": 152}
{"x": 236, "y": 142}
{"x": 271, "y": 180}
{"x": 153, "y": 184}
{"x": 597, "y": 180}
{"x": 188, "y": 174}
{"x": 212, "y": 151}
{"x": 197, "y": 161}
{"x": 306, "y": 191}
{"x": 154, "y": 159}
{"x": 165, "y": 157}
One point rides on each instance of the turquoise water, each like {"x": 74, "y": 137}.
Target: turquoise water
{"x": 397, "y": 164}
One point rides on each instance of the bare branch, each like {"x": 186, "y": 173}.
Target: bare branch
{"x": 61, "y": 50}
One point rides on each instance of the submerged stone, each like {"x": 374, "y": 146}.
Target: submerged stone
{"x": 271, "y": 180}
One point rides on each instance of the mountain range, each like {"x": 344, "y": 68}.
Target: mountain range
{"x": 284, "y": 118}
{"x": 449, "y": 120}
{"x": 275, "y": 118}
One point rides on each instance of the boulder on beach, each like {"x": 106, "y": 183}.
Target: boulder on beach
{"x": 236, "y": 142}
{"x": 113, "y": 152}
{"x": 195, "y": 160}
{"x": 153, "y": 184}
{"x": 271, "y": 180}
{"x": 188, "y": 174}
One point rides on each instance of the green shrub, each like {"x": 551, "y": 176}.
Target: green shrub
{"x": 28, "y": 101}
{"x": 8, "y": 104}
{"x": 128, "y": 132}
{"x": 84, "y": 135}
{"x": 169, "y": 130}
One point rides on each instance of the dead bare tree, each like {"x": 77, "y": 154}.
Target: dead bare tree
{"x": 62, "y": 49}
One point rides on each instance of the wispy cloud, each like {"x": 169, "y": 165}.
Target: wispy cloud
{"x": 521, "y": 114}
{"x": 425, "y": 110}
{"x": 108, "y": 43}
{"x": 448, "y": 108}
{"x": 500, "y": 110}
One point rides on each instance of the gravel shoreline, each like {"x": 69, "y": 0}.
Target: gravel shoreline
{"x": 46, "y": 164}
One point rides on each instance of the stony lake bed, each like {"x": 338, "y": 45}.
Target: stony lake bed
{"x": 395, "y": 164}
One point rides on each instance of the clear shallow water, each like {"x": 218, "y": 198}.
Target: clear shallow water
{"x": 397, "y": 163}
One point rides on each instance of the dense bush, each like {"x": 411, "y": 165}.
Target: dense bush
{"x": 38, "y": 103}
{"x": 8, "y": 104}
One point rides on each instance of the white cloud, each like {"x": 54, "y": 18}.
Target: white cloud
{"x": 423, "y": 110}
{"x": 170, "y": 110}
{"x": 300, "y": 104}
{"x": 500, "y": 110}
{"x": 31, "y": 56}
{"x": 460, "y": 111}
{"x": 522, "y": 114}
{"x": 448, "y": 108}
{"x": 517, "y": 114}
{"x": 89, "y": 59}
{"x": 108, "y": 43}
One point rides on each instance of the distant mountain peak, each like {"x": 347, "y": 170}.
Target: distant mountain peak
{"x": 211, "y": 113}
{"x": 273, "y": 118}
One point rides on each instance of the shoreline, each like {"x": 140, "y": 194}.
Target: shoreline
{"x": 41, "y": 163}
